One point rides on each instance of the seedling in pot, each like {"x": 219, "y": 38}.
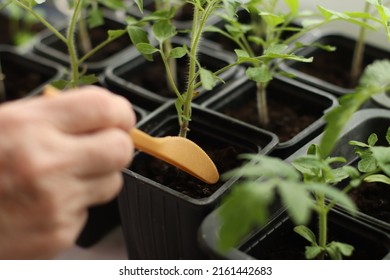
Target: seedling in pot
{"x": 307, "y": 184}
{"x": 163, "y": 30}
{"x": 77, "y": 75}
{"x": 383, "y": 19}
{"x": 271, "y": 37}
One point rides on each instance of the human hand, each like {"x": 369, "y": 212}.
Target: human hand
{"x": 58, "y": 156}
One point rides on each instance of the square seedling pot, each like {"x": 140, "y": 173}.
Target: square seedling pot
{"x": 296, "y": 109}
{"x": 161, "y": 207}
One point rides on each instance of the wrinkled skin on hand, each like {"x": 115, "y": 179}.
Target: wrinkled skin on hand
{"x": 58, "y": 156}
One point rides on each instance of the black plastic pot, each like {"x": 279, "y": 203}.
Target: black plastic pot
{"x": 294, "y": 96}
{"x": 143, "y": 82}
{"x": 330, "y": 70}
{"x": 51, "y": 47}
{"x": 159, "y": 220}
{"x": 25, "y": 74}
{"x": 277, "y": 240}
{"x": 105, "y": 217}
{"x": 360, "y": 127}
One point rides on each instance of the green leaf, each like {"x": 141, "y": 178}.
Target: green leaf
{"x": 88, "y": 80}
{"x": 138, "y": 36}
{"x": 249, "y": 198}
{"x": 95, "y": 18}
{"x": 140, "y": 5}
{"x": 308, "y": 164}
{"x": 261, "y": 165}
{"x": 272, "y": 20}
{"x": 60, "y": 84}
{"x": 376, "y": 74}
{"x": 113, "y": 4}
{"x": 333, "y": 253}
{"x": 311, "y": 252}
{"x": 338, "y": 249}
{"x": 115, "y": 33}
{"x": 241, "y": 53}
{"x": 208, "y": 79}
{"x": 379, "y": 178}
{"x": 333, "y": 194}
{"x": 358, "y": 144}
{"x": 338, "y": 175}
{"x": 259, "y": 74}
{"x": 382, "y": 155}
{"x": 372, "y": 139}
{"x": 307, "y": 23}
{"x": 329, "y": 14}
{"x": 276, "y": 49}
{"x": 306, "y": 233}
{"x": 146, "y": 48}
{"x": 293, "y": 5}
{"x": 178, "y": 52}
{"x": 367, "y": 164}
{"x": 298, "y": 201}
{"x": 230, "y": 6}
{"x": 164, "y": 30}
{"x": 388, "y": 136}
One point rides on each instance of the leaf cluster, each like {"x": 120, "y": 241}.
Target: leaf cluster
{"x": 272, "y": 35}
{"x": 298, "y": 185}
{"x": 374, "y": 80}
{"x": 307, "y": 183}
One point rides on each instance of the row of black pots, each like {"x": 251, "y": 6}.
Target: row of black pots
{"x": 161, "y": 226}
{"x": 368, "y": 232}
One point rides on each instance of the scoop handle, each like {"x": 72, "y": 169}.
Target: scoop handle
{"x": 143, "y": 141}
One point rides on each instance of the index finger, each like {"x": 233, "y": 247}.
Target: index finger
{"x": 89, "y": 109}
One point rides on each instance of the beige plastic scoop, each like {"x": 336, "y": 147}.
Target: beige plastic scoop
{"x": 178, "y": 151}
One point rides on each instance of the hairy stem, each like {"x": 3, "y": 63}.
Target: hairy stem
{"x": 322, "y": 224}
{"x": 358, "y": 54}
{"x": 75, "y": 74}
{"x": 262, "y": 106}
{"x": 199, "y": 21}
{"x": 85, "y": 40}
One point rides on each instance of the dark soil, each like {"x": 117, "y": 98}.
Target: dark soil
{"x": 286, "y": 119}
{"x": 223, "y": 155}
{"x": 373, "y": 199}
{"x": 335, "y": 67}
